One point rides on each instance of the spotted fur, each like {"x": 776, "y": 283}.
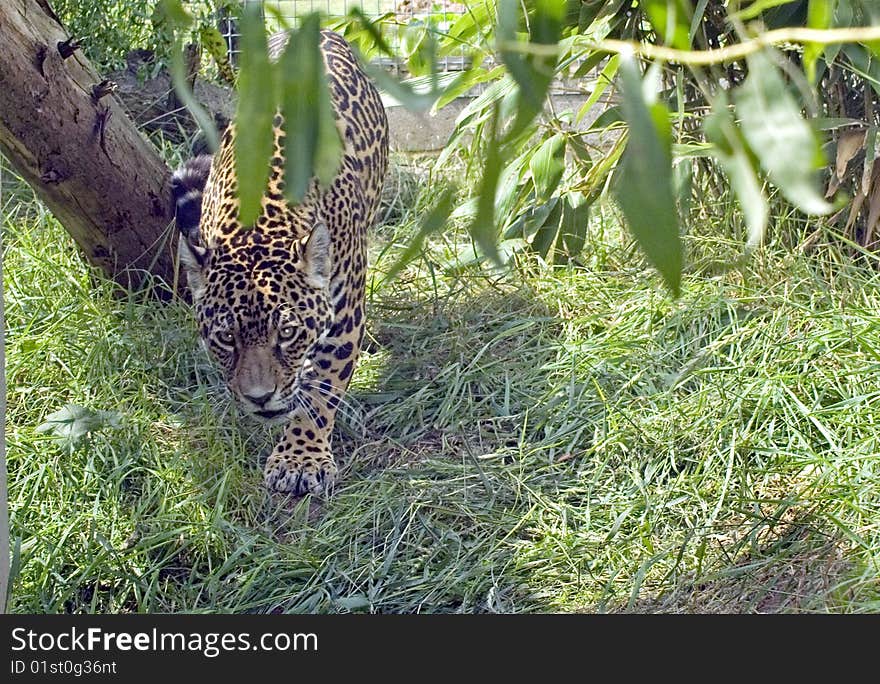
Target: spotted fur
{"x": 280, "y": 304}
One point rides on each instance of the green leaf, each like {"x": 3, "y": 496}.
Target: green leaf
{"x": 405, "y": 93}
{"x": 611, "y": 117}
{"x": 253, "y": 115}
{"x": 464, "y": 81}
{"x": 483, "y": 103}
{"x": 547, "y": 236}
{"x": 432, "y": 222}
{"x": 671, "y": 20}
{"x": 72, "y": 422}
{"x": 758, "y": 7}
{"x": 177, "y": 18}
{"x": 510, "y": 186}
{"x": 842, "y": 18}
{"x": 575, "y": 222}
{"x": 604, "y": 79}
{"x": 643, "y": 181}
{"x": 589, "y": 62}
{"x": 861, "y": 63}
{"x": 312, "y": 145}
{"x": 420, "y": 49}
{"x": 547, "y": 166}
{"x": 683, "y": 186}
{"x": 580, "y": 151}
{"x": 517, "y": 65}
{"x": 874, "y": 47}
{"x": 784, "y": 143}
{"x": 372, "y": 29}
{"x": 482, "y": 229}
{"x": 596, "y": 177}
{"x": 696, "y": 20}
{"x": 546, "y": 21}
{"x": 328, "y": 154}
{"x": 532, "y": 70}
{"x": 300, "y": 109}
{"x": 609, "y": 20}
{"x": 589, "y": 10}
{"x": 469, "y": 24}
{"x": 530, "y": 220}
{"x": 175, "y": 14}
{"x": 819, "y": 15}
{"x": 535, "y": 218}
{"x": 731, "y": 151}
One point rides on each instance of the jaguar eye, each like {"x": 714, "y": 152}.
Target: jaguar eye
{"x": 286, "y": 332}
{"x": 226, "y": 337}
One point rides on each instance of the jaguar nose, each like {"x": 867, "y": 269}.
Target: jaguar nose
{"x": 260, "y": 399}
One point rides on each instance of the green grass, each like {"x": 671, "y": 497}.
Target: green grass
{"x": 565, "y": 440}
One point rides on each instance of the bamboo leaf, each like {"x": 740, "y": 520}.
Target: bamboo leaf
{"x": 72, "y": 422}
{"x": 404, "y": 93}
{"x": 177, "y": 18}
{"x": 547, "y": 166}
{"x": 575, "y": 222}
{"x": 174, "y": 14}
{"x": 731, "y": 151}
{"x": 784, "y": 143}
{"x": 482, "y": 229}
{"x": 643, "y": 182}
{"x": 671, "y": 20}
{"x": 312, "y": 145}
{"x": 432, "y": 222}
{"x": 253, "y": 115}
{"x": 464, "y": 81}
{"x": 533, "y": 71}
{"x": 819, "y": 15}
{"x": 602, "y": 82}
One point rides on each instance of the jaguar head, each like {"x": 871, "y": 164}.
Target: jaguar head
{"x": 262, "y": 303}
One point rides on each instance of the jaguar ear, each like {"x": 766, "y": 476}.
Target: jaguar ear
{"x": 316, "y": 256}
{"x": 187, "y": 187}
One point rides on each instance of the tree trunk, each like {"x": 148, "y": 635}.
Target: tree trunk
{"x": 79, "y": 150}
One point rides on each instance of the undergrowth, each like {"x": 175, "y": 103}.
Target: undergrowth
{"x": 542, "y": 439}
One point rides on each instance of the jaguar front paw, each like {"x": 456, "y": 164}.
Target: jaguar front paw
{"x": 299, "y": 475}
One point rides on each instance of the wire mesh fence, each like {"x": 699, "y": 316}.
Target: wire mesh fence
{"x": 398, "y": 20}
{"x": 394, "y": 17}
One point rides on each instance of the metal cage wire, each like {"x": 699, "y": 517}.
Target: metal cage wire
{"x": 404, "y": 12}
{"x": 399, "y": 13}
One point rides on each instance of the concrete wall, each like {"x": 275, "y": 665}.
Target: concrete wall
{"x": 411, "y": 132}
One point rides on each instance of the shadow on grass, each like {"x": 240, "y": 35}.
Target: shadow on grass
{"x": 444, "y": 377}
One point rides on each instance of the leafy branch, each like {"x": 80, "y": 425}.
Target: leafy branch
{"x": 729, "y": 53}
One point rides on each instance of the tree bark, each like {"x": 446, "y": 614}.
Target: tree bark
{"x": 79, "y": 150}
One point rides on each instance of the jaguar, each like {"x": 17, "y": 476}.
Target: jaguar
{"x": 280, "y": 303}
